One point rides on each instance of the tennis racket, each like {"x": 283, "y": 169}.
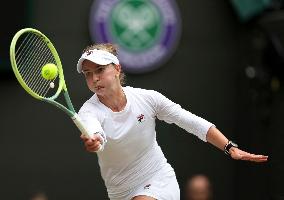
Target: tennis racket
{"x": 30, "y": 50}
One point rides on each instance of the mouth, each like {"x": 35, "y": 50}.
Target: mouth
{"x": 98, "y": 87}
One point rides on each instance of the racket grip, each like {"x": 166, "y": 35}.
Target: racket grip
{"x": 78, "y": 122}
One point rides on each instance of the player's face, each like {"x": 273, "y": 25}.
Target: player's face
{"x": 101, "y": 79}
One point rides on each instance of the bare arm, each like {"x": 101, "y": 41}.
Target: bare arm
{"x": 216, "y": 138}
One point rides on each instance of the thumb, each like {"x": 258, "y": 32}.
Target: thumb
{"x": 84, "y": 137}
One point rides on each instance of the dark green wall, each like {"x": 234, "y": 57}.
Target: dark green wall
{"x": 40, "y": 147}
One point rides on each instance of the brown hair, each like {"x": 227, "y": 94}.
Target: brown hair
{"x": 111, "y": 48}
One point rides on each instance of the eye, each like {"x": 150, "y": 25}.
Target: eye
{"x": 87, "y": 73}
{"x": 99, "y": 70}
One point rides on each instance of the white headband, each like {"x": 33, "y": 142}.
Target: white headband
{"x": 99, "y": 57}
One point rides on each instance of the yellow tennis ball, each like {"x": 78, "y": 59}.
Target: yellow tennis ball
{"x": 49, "y": 71}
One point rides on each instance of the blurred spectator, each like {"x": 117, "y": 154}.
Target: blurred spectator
{"x": 198, "y": 187}
{"x": 38, "y": 196}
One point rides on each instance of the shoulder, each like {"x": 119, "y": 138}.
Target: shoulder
{"x": 90, "y": 104}
{"x": 91, "y": 110}
{"x": 147, "y": 96}
{"x": 140, "y": 91}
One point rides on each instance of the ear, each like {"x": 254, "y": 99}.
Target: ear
{"x": 118, "y": 68}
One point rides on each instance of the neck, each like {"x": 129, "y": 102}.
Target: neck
{"x": 116, "y": 101}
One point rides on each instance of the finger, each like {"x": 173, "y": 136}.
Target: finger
{"x": 248, "y": 157}
{"x": 256, "y": 158}
{"x": 97, "y": 137}
{"x": 84, "y": 137}
{"x": 261, "y": 158}
{"x": 92, "y": 143}
{"x": 260, "y": 161}
{"x": 244, "y": 153}
{"x": 94, "y": 148}
{"x": 89, "y": 142}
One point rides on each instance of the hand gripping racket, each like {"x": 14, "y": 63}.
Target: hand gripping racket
{"x": 30, "y": 50}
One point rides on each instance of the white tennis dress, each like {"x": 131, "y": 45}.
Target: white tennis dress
{"x": 132, "y": 162}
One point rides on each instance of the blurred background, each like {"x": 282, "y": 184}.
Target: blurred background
{"x": 225, "y": 64}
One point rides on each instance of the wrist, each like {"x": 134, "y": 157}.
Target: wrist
{"x": 230, "y": 147}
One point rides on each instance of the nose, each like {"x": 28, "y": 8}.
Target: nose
{"x": 96, "y": 77}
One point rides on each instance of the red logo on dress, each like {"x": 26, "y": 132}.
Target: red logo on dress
{"x": 140, "y": 118}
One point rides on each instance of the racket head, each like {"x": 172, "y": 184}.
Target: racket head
{"x": 30, "y": 50}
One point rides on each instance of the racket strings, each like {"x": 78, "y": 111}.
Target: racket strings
{"x": 28, "y": 49}
{"x": 33, "y": 53}
{"x": 38, "y": 51}
{"x": 24, "y": 61}
{"x": 28, "y": 75}
{"x": 37, "y": 78}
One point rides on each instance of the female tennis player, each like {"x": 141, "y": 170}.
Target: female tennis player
{"x": 132, "y": 163}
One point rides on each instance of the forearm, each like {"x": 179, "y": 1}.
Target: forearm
{"x": 216, "y": 138}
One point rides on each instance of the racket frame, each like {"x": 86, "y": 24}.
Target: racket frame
{"x": 69, "y": 110}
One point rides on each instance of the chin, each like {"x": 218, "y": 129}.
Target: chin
{"x": 99, "y": 92}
